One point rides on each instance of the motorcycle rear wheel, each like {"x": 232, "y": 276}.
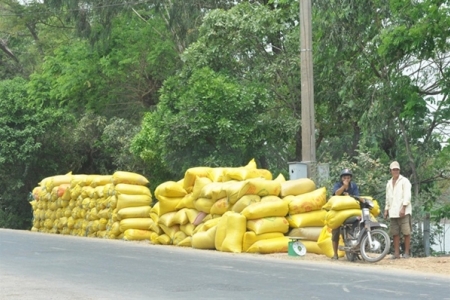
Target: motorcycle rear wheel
{"x": 381, "y": 244}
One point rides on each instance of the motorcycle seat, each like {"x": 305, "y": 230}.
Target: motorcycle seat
{"x": 352, "y": 220}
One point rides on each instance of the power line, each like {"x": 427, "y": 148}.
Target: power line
{"x": 83, "y": 9}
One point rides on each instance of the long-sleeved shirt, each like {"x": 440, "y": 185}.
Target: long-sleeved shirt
{"x": 397, "y": 196}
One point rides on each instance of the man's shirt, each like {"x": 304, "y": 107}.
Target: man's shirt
{"x": 351, "y": 190}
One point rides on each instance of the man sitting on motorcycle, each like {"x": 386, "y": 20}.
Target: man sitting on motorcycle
{"x": 341, "y": 188}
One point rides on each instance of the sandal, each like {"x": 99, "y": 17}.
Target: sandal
{"x": 395, "y": 257}
{"x": 335, "y": 258}
{"x": 406, "y": 256}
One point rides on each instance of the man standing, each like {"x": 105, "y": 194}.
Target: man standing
{"x": 345, "y": 186}
{"x": 398, "y": 209}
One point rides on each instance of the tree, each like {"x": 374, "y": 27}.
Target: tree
{"x": 27, "y": 135}
{"x": 210, "y": 119}
{"x": 119, "y": 81}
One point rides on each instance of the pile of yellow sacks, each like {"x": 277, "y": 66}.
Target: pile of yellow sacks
{"x": 241, "y": 209}
{"x": 107, "y": 206}
{"x": 236, "y": 210}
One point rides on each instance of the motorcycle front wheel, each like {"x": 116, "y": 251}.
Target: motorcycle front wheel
{"x": 380, "y": 246}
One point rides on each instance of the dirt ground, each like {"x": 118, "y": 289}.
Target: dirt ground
{"x": 431, "y": 265}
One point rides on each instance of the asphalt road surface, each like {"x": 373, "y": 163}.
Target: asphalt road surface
{"x": 45, "y": 266}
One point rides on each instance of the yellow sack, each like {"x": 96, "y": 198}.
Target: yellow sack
{"x": 274, "y": 245}
{"x": 192, "y": 214}
{"x": 128, "y": 177}
{"x": 280, "y": 178}
{"x": 200, "y": 183}
{"x": 241, "y": 174}
{"x": 250, "y": 238}
{"x": 132, "y": 189}
{"x": 188, "y": 229}
{"x": 244, "y": 202}
{"x": 170, "y": 189}
{"x": 108, "y": 190}
{"x": 236, "y": 189}
{"x": 105, "y": 213}
{"x": 192, "y": 174}
{"x": 115, "y": 229}
{"x": 203, "y": 204}
{"x": 297, "y": 187}
{"x": 78, "y": 179}
{"x": 325, "y": 244}
{"x": 134, "y": 212}
{"x": 220, "y": 207}
{"x": 204, "y": 239}
{"x": 269, "y": 224}
{"x": 187, "y": 242}
{"x": 136, "y": 223}
{"x": 168, "y": 219}
{"x": 164, "y": 239}
{"x": 347, "y": 202}
{"x": 335, "y": 218}
{"x": 170, "y": 231}
{"x": 167, "y": 204}
{"x": 341, "y": 203}
{"x": 266, "y": 209}
{"x": 312, "y": 247}
{"x": 236, "y": 227}
{"x": 136, "y": 235}
{"x": 50, "y": 182}
{"x": 154, "y": 238}
{"x": 178, "y": 237}
{"x": 308, "y": 202}
{"x": 181, "y": 217}
{"x": 64, "y": 191}
{"x": 263, "y": 187}
{"x": 186, "y": 202}
{"x": 221, "y": 231}
{"x": 99, "y": 191}
{"x": 314, "y": 218}
{"x": 216, "y": 174}
{"x": 207, "y": 225}
{"x": 112, "y": 202}
{"x": 306, "y": 233}
{"x": 214, "y": 191}
{"x": 270, "y": 198}
{"x": 125, "y": 200}
{"x": 101, "y": 180}
{"x": 251, "y": 164}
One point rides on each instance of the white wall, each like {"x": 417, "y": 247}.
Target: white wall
{"x": 444, "y": 243}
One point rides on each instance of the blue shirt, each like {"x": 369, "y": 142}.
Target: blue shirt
{"x": 352, "y": 189}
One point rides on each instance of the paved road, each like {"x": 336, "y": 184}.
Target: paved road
{"x": 44, "y": 266}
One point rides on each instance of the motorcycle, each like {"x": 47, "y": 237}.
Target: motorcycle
{"x": 364, "y": 237}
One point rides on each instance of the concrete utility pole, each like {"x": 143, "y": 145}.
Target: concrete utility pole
{"x": 308, "y": 119}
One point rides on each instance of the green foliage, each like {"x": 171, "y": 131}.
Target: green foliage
{"x": 369, "y": 173}
{"x": 225, "y": 120}
{"x": 24, "y": 131}
{"x": 120, "y": 81}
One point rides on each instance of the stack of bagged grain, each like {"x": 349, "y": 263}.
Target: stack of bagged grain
{"x": 338, "y": 209}
{"x": 168, "y": 214}
{"x": 306, "y": 217}
{"x": 48, "y": 210}
{"x": 132, "y": 209}
{"x": 88, "y": 205}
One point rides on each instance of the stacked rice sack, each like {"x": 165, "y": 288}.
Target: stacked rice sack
{"x": 337, "y": 210}
{"x": 169, "y": 213}
{"x": 306, "y": 217}
{"x": 89, "y": 205}
{"x": 233, "y": 209}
